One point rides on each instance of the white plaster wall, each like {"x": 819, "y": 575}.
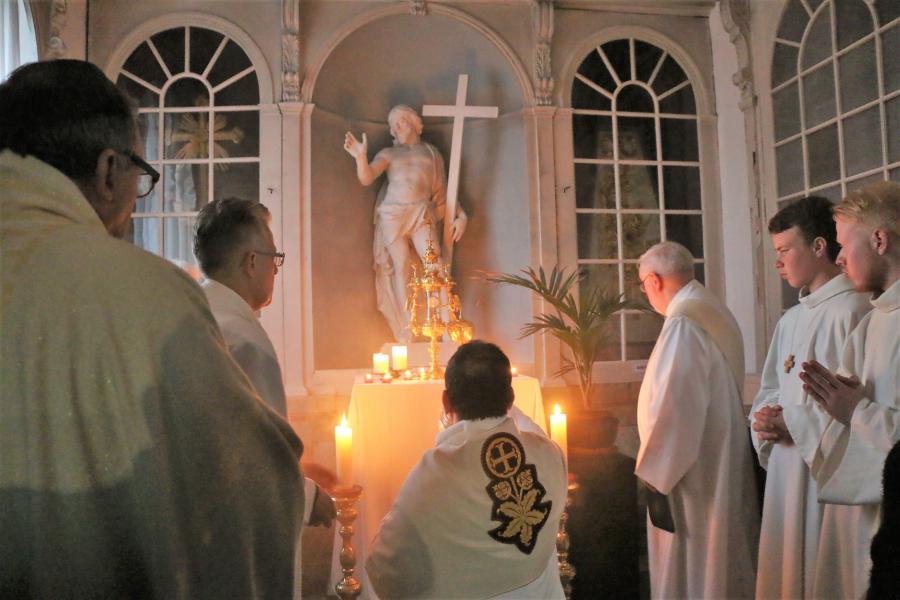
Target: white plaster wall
{"x": 734, "y": 176}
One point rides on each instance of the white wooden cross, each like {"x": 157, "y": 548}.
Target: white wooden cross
{"x": 459, "y": 112}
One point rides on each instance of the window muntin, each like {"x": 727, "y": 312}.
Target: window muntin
{"x": 637, "y": 174}
{"x": 185, "y": 79}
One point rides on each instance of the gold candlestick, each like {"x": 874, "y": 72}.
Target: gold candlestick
{"x": 566, "y": 570}
{"x": 345, "y": 499}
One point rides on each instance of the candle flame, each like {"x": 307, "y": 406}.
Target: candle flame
{"x": 344, "y": 420}
{"x": 556, "y": 410}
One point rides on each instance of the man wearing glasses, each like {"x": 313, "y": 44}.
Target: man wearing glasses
{"x": 136, "y": 460}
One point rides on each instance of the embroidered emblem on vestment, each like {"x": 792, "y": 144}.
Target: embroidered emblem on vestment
{"x": 515, "y": 491}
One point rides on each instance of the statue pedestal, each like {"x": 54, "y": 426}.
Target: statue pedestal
{"x": 417, "y": 352}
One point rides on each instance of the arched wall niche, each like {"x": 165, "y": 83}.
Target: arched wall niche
{"x": 390, "y": 57}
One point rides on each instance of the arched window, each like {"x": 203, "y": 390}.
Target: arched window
{"x": 835, "y": 99}
{"x": 637, "y": 173}
{"x": 184, "y": 80}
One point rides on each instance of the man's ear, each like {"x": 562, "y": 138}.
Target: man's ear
{"x": 880, "y": 240}
{"x": 445, "y": 401}
{"x": 104, "y": 175}
{"x": 820, "y": 247}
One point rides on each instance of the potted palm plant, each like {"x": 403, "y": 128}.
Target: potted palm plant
{"x": 582, "y": 324}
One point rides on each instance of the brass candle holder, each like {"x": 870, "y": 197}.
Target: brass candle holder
{"x": 345, "y": 500}
{"x": 566, "y": 570}
{"x": 431, "y": 294}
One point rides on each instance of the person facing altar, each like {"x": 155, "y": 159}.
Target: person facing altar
{"x": 409, "y": 207}
{"x": 477, "y": 517}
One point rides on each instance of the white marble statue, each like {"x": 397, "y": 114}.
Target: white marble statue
{"x": 413, "y": 196}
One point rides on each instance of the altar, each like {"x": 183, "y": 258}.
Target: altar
{"x": 393, "y": 425}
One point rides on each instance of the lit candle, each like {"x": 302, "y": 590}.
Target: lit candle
{"x": 514, "y": 371}
{"x": 558, "y": 431}
{"x": 421, "y": 372}
{"x": 407, "y": 374}
{"x": 398, "y": 357}
{"x": 387, "y": 377}
{"x": 380, "y": 363}
{"x": 368, "y": 378}
{"x": 343, "y": 441}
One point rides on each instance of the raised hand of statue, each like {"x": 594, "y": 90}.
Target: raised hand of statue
{"x": 458, "y": 227}
{"x": 354, "y": 147}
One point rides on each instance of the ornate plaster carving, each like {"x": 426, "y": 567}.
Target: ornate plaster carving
{"x": 290, "y": 50}
{"x": 542, "y": 22}
{"x": 56, "y": 47}
{"x": 418, "y": 8}
{"x": 736, "y": 21}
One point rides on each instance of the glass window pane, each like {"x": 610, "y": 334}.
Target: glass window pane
{"x": 185, "y": 187}
{"x": 833, "y": 193}
{"x": 178, "y": 235}
{"x": 895, "y": 174}
{"x": 859, "y": 76}
{"x": 793, "y": 21}
{"x": 187, "y": 135}
{"x": 784, "y": 63}
{"x": 203, "y": 45}
{"x": 892, "y": 111}
{"x": 887, "y": 11}
{"x": 890, "y": 46}
{"x": 596, "y": 236}
{"x": 641, "y": 331}
{"x": 618, "y": 54}
{"x": 143, "y": 64}
{"x": 151, "y": 203}
{"x": 231, "y": 61}
{"x": 170, "y": 45}
{"x": 818, "y": 95}
{"x": 862, "y": 141}
{"x": 592, "y": 136}
{"x": 824, "y": 160}
{"x": 786, "y": 109}
{"x": 789, "y": 164}
{"x": 637, "y": 138}
{"x": 633, "y": 98}
{"x": 236, "y": 134}
{"x": 187, "y": 92}
{"x": 603, "y": 277}
{"x": 238, "y": 180}
{"x": 639, "y": 186}
{"x": 670, "y": 75}
{"x": 584, "y": 96}
{"x": 633, "y": 284}
{"x": 144, "y": 96}
{"x": 595, "y": 186}
{"x": 146, "y": 233}
{"x": 679, "y": 139}
{"x": 681, "y": 188}
{"x": 687, "y": 230}
{"x": 864, "y": 181}
{"x": 592, "y": 68}
{"x": 645, "y": 56}
{"x": 148, "y": 124}
{"x": 817, "y": 46}
{"x": 243, "y": 92}
{"x": 639, "y": 232}
{"x": 679, "y": 103}
{"x": 853, "y": 21}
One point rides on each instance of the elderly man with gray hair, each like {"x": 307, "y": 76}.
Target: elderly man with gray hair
{"x": 694, "y": 456}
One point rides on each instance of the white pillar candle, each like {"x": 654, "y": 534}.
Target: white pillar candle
{"x": 399, "y": 357}
{"x": 558, "y": 432}
{"x": 380, "y": 363}
{"x": 343, "y": 442}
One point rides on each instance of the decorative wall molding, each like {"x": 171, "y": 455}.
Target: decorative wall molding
{"x": 542, "y": 22}
{"x": 290, "y": 50}
{"x": 56, "y": 46}
{"x": 736, "y": 21}
{"x": 418, "y": 8}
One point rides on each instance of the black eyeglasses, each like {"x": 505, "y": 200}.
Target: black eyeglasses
{"x": 148, "y": 179}
{"x": 644, "y": 281}
{"x": 277, "y": 257}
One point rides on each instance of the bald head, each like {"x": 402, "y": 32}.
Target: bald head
{"x": 668, "y": 259}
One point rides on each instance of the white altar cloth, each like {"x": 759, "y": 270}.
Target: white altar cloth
{"x": 393, "y": 425}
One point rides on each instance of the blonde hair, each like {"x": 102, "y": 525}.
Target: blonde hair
{"x": 668, "y": 258}
{"x": 876, "y": 205}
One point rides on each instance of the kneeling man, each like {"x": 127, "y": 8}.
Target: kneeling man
{"x": 478, "y": 516}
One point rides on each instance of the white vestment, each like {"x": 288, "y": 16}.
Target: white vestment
{"x": 136, "y": 460}
{"x": 694, "y": 448}
{"x": 252, "y": 349}
{"x": 455, "y": 531}
{"x": 815, "y": 329}
{"x": 849, "y": 461}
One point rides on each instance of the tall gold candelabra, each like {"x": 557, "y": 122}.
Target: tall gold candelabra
{"x": 345, "y": 500}
{"x": 430, "y": 295}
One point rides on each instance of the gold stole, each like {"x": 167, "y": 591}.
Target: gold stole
{"x": 721, "y": 329}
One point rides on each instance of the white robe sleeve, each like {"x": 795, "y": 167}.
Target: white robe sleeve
{"x": 679, "y": 399}
{"x": 769, "y": 394}
{"x": 398, "y": 565}
{"x": 263, "y": 371}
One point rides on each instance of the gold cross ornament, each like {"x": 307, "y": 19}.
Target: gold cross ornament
{"x": 789, "y": 364}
